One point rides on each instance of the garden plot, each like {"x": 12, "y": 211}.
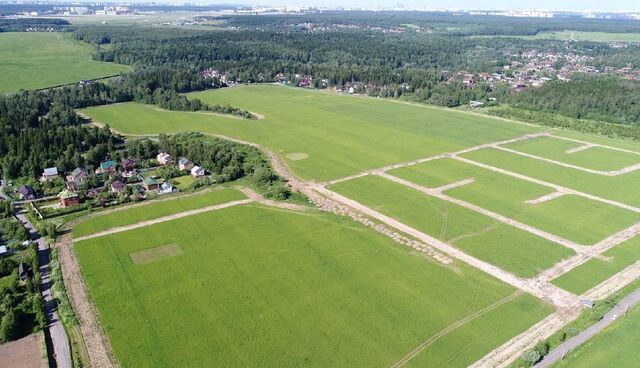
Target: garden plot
{"x": 595, "y": 271}
{"x": 487, "y": 239}
{"x": 578, "y": 154}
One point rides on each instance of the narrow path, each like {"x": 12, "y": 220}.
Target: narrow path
{"x": 558, "y": 353}
{"x": 594, "y": 144}
{"x": 175, "y": 216}
{"x": 59, "y": 339}
{"x": 455, "y": 325}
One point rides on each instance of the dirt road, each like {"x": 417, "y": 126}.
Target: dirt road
{"x": 59, "y": 339}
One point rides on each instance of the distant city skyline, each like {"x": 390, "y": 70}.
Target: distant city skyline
{"x": 572, "y": 5}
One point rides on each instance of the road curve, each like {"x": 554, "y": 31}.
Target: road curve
{"x": 558, "y": 353}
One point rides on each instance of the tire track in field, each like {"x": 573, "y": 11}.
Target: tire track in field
{"x": 455, "y": 325}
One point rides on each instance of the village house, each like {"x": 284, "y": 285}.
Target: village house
{"x": 27, "y": 193}
{"x": 78, "y": 175}
{"x": 94, "y": 193}
{"x": 128, "y": 164}
{"x": 68, "y": 199}
{"x": 50, "y": 173}
{"x": 197, "y": 171}
{"x": 164, "y": 158}
{"x": 150, "y": 184}
{"x": 73, "y": 186}
{"x": 185, "y": 164}
{"x": 166, "y": 188}
{"x": 118, "y": 187}
{"x": 107, "y": 167}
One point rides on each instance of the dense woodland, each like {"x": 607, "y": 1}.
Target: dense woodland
{"x": 41, "y": 129}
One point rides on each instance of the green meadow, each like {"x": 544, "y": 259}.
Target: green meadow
{"x": 257, "y": 286}
{"x": 319, "y": 135}
{"x": 505, "y": 246}
{"x": 595, "y": 158}
{"x": 40, "y": 59}
{"x": 622, "y": 188}
{"x": 155, "y": 209}
{"x": 595, "y": 271}
{"x": 587, "y": 36}
{"x": 616, "y": 346}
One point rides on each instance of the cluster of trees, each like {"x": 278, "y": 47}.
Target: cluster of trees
{"x": 21, "y": 305}
{"x": 171, "y": 100}
{"x": 30, "y": 24}
{"x": 605, "y": 98}
{"x": 13, "y": 232}
{"x": 227, "y": 161}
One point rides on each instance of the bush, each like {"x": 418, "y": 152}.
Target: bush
{"x": 530, "y": 358}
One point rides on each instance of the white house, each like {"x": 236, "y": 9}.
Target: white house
{"x": 166, "y": 188}
{"x": 185, "y": 164}
{"x": 197, "y": 171}
{"x": 164, "y": 158}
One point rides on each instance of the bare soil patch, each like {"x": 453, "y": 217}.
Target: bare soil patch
{"x": 28, "y": 352}
{"x": 155, "y": 254}
{"x": 297, "y": 156}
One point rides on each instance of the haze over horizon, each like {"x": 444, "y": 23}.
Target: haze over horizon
{"x": 572, "y": 5}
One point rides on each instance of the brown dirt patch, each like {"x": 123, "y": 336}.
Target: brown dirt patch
{"x": 28, "y": 352}
{"x": 155, "y": 254}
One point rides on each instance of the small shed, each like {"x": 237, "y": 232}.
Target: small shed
{"x": 3, "y": 250}
{"x": 150, "y": 184}
{"x": 587, "y": 303}
{"x": 23, "y": 272}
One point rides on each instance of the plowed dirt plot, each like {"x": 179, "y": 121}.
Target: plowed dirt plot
{"x": 28, "y": 352}
{"x": 258, "y": 286}
{"x": 505, "y": 246}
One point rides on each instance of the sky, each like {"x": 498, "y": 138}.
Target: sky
{"x": 575, "y": 5}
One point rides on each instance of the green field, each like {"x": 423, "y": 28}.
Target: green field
{"x": 595, "y": 271}
{"x": 276, "y": 288}
{"x": 614, "y": 347}
{"x": 39, "y": 60}
{"x": 156, "y": 209}
{"x": 505, "y": 246}
{"x": 595, "y": 158}
{"x": 587, "y": 36}
{"x": 622, "y": 188}
{"x": 183, "y": 182}
{"x": 320, "y": 135}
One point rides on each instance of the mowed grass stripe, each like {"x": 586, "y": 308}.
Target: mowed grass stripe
{"x": 480, "y": 236}
{"x": 595, "y": 271}
{"x": 338, "y": 135}
{"x": 153, "y": 210}
{"x": 38, "y": 60}
{"x": 277, "y": 288}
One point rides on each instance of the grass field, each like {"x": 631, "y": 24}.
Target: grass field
{"x": 595, "y": 271}
{"x": 335, "y": 135}
{"x": 595, "y": 158}
{"x": 271, "y": 287}
{"x": 587, "y": 36}
{"x": 155, "y": 209}
{"x": 39, "y": 60}
{"x": 183, "y": 182}
{"x": 622, "y": 188}
{"x": 616, "y": 346}
{"x": 480, "y": 236}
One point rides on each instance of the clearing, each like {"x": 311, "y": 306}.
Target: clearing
{"x": 28, "y": 352}
{"x": 42, "y": 59}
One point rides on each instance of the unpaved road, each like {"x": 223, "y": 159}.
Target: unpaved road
{"x": 59, "y": 339}
{"x": 619, "y": 310}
